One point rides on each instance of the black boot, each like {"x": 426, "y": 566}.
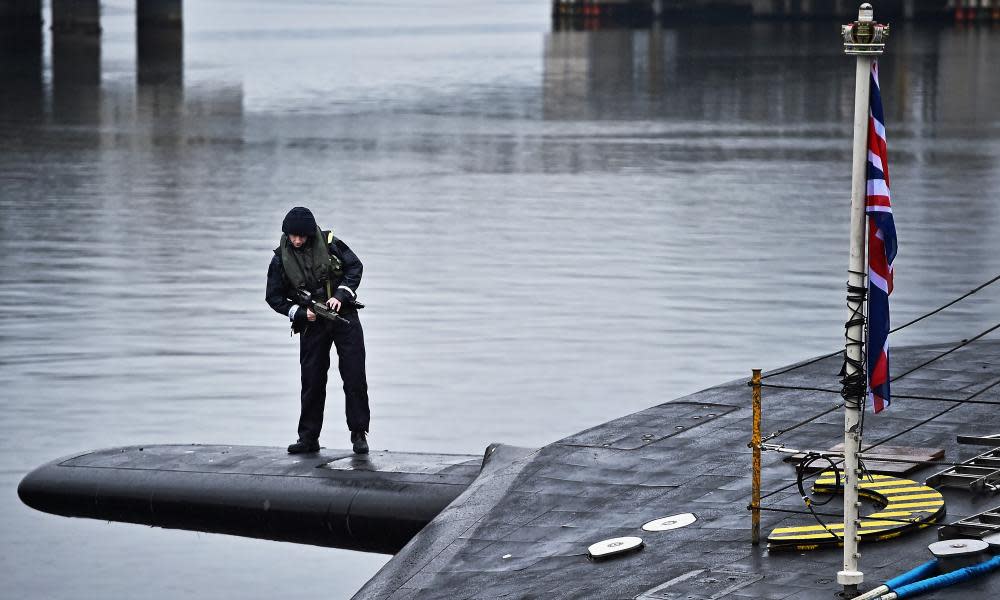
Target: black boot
{"x": 359, "y": 441}
{"x": 299, "y": 447}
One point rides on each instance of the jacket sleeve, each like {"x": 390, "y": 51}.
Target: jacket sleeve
{"x": 275, "y": 294}
{"x": 347, "y": 289}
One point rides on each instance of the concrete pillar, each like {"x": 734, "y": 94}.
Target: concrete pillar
{"x": 764, "y": 8}
{"x": 159, "y": 14}
{"x": 76, "y": 61}
{"x": 76, "y": 16}
{"x": 160, "y": 56}
{"x": 22, "y": 92}
{"x": 655, "y": 61}
{"x": 160, "y": 64}
{"x": 159, "y": 42}
{"x": 20, "y": 17}
{"x": 76, "y": 78}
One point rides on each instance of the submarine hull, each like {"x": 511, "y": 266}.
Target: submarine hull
{"x": 334, "y": 498}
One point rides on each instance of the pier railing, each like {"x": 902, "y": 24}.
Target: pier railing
{"x": 587, "y": 13}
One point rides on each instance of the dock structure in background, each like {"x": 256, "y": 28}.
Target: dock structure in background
{"x": 76, "y": 17}
{"x": 588, "y": 14}
{"x": 159, "y": 14}
{"x": 24, "y": 17}
{"x": 20, "y": 18}
{"x": 159, "y": 26}
{"x": 76, "y": 50}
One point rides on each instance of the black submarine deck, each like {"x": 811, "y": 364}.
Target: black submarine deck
{"x": 523, "y": 531}
{"x": 517, "y": 523}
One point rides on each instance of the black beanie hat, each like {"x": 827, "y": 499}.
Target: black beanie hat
{"x": 299, "y": 221}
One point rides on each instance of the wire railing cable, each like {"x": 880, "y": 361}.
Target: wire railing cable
{"x": 929, "y": 419}
{"x": 893, "y": 330}
{"x": 953, "y": 302}
{"x": 958, "y": 401}
{"x": 894, "y": 436}
{"x": 962, "y": 344}
{"x": 811, "y": 361}
{"x": 894, "y": 395}
{"x": 778, "y": 432}
{"x": 956, "y": 404}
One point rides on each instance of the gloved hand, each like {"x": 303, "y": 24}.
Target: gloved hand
{"x": 300, "y": 320}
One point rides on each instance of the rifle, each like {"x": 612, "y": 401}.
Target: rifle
{"x": 305, "y": 300}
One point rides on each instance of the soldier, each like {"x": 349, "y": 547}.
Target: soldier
{"x": 311, "y": 260}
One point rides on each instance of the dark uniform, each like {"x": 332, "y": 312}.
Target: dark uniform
{"x": 316, "y": 337}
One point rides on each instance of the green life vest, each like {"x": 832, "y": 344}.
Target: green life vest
{"x": 312, "y": 267}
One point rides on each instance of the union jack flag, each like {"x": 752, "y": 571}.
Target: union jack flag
{"x": 881, "y": 250}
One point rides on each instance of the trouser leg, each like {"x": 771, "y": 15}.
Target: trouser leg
{"x": 350, "y": 341}
{"x": 314, "y": 360}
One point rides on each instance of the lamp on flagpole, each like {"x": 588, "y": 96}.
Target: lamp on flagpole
{"x": 864, "y": 39}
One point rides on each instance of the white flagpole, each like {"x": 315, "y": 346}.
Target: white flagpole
{"x": 864, "y": 39}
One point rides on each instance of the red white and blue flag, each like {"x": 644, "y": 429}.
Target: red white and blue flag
{"x": 881, "y": 250}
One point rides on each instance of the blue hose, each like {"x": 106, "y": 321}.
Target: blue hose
{"x": 915, "y": 574}
{"x": 956, "y": 576}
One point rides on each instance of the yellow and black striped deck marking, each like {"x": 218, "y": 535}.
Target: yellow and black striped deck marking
{"x": 899, "y": 499}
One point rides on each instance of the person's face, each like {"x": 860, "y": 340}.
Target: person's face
{"x": 297, "y": 240}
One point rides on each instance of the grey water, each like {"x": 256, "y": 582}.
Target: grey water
{"x": 558, "y": 228}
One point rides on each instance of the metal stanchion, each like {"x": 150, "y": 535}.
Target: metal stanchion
{"x": 755, "y": 445}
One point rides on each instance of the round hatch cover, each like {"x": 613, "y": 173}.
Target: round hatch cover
{"x": 957, "y": 548}
{"x": 668, "y": 523}
{"x": 614, "y": 546}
